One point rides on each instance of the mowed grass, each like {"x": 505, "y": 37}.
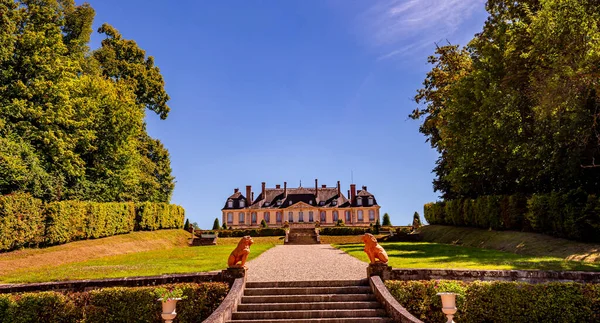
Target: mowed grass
{"x": 444, "y": 256}
{"x": 171, "y": 259}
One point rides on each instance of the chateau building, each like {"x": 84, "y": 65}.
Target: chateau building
{"x": 300, "y": 205}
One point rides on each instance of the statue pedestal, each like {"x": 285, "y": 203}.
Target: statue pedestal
{"x": 379, "y": 269}
{"x": 232, "y": 273}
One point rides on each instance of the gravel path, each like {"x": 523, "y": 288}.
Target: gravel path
{"x": 305, "y": 262}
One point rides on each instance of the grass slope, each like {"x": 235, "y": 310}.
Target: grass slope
{"x": 444, "y": 256}
{"x": 524, "y": 243}
{"x": 135, "y": 254}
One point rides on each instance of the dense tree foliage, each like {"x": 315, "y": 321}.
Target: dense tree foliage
{"x": 517, "y": 109}
{"x": 72, "y": 119}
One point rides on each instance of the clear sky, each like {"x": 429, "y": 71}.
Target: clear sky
{"x": 293, "y": 90}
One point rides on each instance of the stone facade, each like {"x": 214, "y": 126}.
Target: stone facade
{"x": 278, "y": 205}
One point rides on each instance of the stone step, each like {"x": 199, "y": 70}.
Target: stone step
{"x": 307, "y": 290}
{"x": 308, "y": 314}
{"x": 307, "y": 306}
{"x": 310, "y": 283}
{"x": 307, "y": 298}
{"x": 321, "y": 320}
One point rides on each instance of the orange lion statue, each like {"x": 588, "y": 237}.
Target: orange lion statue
{"x": 375, "y": 252}
{"x": 237, "y": 258}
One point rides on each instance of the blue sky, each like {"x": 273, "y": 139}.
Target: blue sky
{"x": 293, "y": 90}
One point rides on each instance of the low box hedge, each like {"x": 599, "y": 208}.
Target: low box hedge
{"x": 343, "y": 231}
{"x": 118, "y": 304}
{"x": 260, "y": 232}
{"x": 501, "y": 301}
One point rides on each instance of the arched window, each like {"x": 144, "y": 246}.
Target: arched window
{"x": 229, "y": 217}
{"x": 278, "y": 216}
{"x": 310, "y": 216}
{"x": 291, "y": 217}
{"x": 253, "y": 217}
{"x": 359, "y": 201}
{"x": 335, "y": 216}
{"x": 323, "y": 217}
{"x": 242, "y": 203}
{"x": 348, "y": 217}
{"x": 267, "y": 217}
{"x": 230, "y": 203}
{"x": 370, "y": 200}
{"x": 242, "y": 217}
{"x": 371, "y": 215}
{"x": 360, "y": 216}
{"x": 300, "y": 216}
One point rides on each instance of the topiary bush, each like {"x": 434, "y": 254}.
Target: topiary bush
{"x": 117, "y": 304}
{"x": 501, "y": 301}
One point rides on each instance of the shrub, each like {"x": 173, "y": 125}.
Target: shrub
{"x": 501, "y": 301}
{"x": 263, "y": 232}
{"x": 118, "y": 304}
{"x": 263, "y": 224}
{"x": 343, "y": 231}
{"x": 21, "y": 221}
{"x": 155, "y": 216}
{"x": 216, "y": 225}
{"x": 386, "y": 220}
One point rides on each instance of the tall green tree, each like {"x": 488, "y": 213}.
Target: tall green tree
{"x": 216, "y": 225}
{"x": 386, "y": 220}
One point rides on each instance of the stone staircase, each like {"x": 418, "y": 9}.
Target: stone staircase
{"x": 302, "y": 236}
{"x": 310, "y": 301}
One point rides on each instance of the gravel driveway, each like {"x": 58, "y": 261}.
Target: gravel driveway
{"x": 305, "y": 262}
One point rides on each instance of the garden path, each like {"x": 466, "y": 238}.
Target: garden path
{"x": 305, "y": 262}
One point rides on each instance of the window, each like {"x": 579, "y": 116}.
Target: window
{"x": 300, "y": 216}
{"x": 310, "y": 216}
{"x": 335, "y": 216}
{"x": 371, "y": 215}
{"x": 242, "y": 217}
{"x": 278, "y": 216}
{"x": 267, "y": 203}
{"x": 267, "y": 217}
{"x": 278, "y": 202}
{"x": 359, "y": 201}
{"x": 370, "y": 200}
{"x": 323, "y": 218}
{"x": 253, "y": 217}
{"x": 334, "y": 202}
{"x": 229, "y": 203}
{"x": 291, "y": 217}
{"x": 310, "y": 202}
{"x": 242, "y": 203}
{"x": 290, "y": 203}
{"x": 322, "y": 203}
{"x": 360, "y": 216}
{"x": 348, "y": 217}
{"x": 230, "y": 217}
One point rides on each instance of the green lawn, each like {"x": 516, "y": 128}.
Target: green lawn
{"x": 147, "y": 263}
{"x": 443, "y": 256}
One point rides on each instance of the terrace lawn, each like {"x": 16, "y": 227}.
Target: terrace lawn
{"x": 179, "y": 259}
{"x": 443, "y": 256}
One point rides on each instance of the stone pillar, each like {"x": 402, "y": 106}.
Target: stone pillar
{"x": 379, "y": 269}
{"x": 231, "y": 273}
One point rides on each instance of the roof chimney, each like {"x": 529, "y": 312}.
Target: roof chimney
{"x": 352, "y": 192}
{"x": 277, "y": 186}
{"x": 284, "y": 189}
{"x": 252, "y": 196}
{"x": 235, "y": 190}
{"x": 323, "y": 186}
{"x": 348, "y": 193}
{"x": 264, "y": 190}
{"x": 248, "y": 194}
{"x": 365, "y": 188}
{"x": 316, "y": 186}
{"x": 339, "y": 191}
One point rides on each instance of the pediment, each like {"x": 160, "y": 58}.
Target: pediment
{"x": 300, "y": 205}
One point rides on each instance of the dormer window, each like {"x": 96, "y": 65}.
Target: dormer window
{"x": 242, "y": 203}
{"x": 267, "y": 203}
{"x": 229, "y": 203}
{"x": 278, "y": 202}
{"x": 370, "y": 200}
{"x": 334, "y": 202}
{"x": 322, "y": 203}
{"x": 290, "y": 203}
{"x": 359, "y": 201}
{"x": 310, "y": 202}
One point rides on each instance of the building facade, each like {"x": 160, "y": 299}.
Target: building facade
{"x": 278, "y": 205}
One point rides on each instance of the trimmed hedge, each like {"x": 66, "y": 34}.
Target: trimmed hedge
{"x": 263, "y": 232}
{"x": 574, "y": 215}
{"x": 344, "y": 231}
{"x": 116, "y": 304}
{"x": 501, "y": 301}
{"x": 26, "y": 221}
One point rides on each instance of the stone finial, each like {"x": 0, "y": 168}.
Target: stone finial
{"x": 375, "y": 252}
{"x": 237, "y": 258}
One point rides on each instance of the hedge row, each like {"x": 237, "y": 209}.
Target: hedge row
{"x": 501, "y": 301}
{"x": 117, "y": 304}
{"x": 343, "y": 231}
{"x": 26, "y": 221}
{"x": 575, "y": 215}
{"x": 264, "y": 232}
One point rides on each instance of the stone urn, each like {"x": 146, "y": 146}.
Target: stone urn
{"x": 448, "y": 305}
{"x": 168, "y": 309}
